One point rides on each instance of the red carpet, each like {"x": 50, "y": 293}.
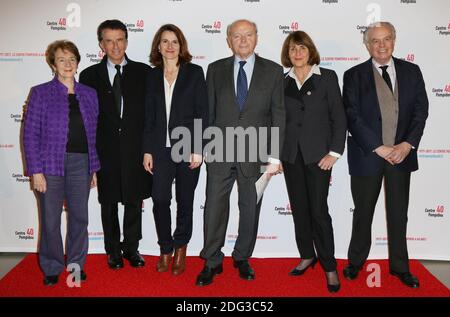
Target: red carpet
{"x": 272, "y": 280}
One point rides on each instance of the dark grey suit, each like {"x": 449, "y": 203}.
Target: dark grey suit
{"x": 264, "y": 107}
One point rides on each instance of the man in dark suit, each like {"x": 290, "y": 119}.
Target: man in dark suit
{"x": 120, "y": 84}
{"x": 387, "y": 106}
{"x": 245, "y": 91}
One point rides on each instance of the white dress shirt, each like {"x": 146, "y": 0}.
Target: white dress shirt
{"x": 390, "y": 70}
{"x": 168, "y": 93}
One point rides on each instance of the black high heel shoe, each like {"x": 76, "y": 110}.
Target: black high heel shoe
{"x": 297, "y": 272}
{"x": 333, "y": 288}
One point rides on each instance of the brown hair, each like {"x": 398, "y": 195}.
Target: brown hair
{"x": 299, "y": 38}
{"x": 64, "y": 45}
{"x": 155, "y": 55}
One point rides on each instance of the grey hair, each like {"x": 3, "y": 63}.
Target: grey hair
{"x": 377, "y": 25}
{"x": 230, "y": 26}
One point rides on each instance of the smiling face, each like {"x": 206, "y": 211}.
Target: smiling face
{"x": 298, "y": 55}
{"x": 114, "y": 44}
{"x": 242, "y": 39}
{"x": 66, "y": 64}
{"x": 380, "y": 44}
{"x": 169, "y": 46}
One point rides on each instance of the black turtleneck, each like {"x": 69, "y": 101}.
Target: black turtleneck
{"x": 76, "y": 140}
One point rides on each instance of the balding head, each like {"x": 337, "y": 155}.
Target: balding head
{"x": 242, "y": 37}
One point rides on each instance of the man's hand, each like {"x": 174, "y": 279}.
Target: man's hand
{"x": 148, "y": 163}
{"x": 39, "y": 183}
{"x": 274, "y": 169}
{"x": 384, "y": 151}
{"x": 195, "y": 160}
{"x": 327, "y": 162}
{"x": 399, "y": 152}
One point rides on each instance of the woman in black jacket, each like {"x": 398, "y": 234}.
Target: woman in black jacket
{"x": 176, "y": 97}
{"x": 314, "y": 140}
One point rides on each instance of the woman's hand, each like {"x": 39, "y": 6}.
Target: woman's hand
{"x": 94, "y": 180}
{"x": 39, "y": 183}
{"x": 196, "y": 161}
{"x": 148, "y": 163}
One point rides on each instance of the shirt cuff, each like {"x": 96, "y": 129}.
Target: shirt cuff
{"x": 273, "y": 160}
{"x": 337, "y": 155}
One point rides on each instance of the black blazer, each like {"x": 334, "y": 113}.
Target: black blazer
{"x": 315, "y": 118}
{"x": 122, "y": 176}
{"x": 189, "y": 102}
{"x": 364, "y": 116}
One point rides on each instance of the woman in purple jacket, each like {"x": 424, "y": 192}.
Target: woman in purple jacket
{"x": 59, "y": 143}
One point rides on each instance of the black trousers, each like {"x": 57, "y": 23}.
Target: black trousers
{"x": 217, "y": 211}
{"x": 165, "y": 171}
{"x": 307, "y": 187}
{"x": 365, "y": 192}
{"x": 132, "y": 227}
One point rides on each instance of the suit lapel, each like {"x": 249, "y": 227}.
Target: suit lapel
{"x": 310, "y": 85}
{"x": 103, "y": 73}
{"x": 160, "y": 94}
{"x": 307, "y": 89}
{"x": 369, "y": 83}
{"x": 104, "y": 77}
{"x": 401, "y": 78}
{"x": 255, "y": 83}
{"x": 179, "y": 86}
{"x": 229, "y": 80}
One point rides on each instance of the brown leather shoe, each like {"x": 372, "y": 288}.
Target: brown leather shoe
{"x": 164, "y": 262}
{"x": 179, "y": 260}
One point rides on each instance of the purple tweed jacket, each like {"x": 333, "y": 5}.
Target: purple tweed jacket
{"x": 47, "y": 125}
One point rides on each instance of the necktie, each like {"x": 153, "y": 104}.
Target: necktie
{"x": 241, "y": 86}
{"x": 117, "y": 90}
{"x": 386, "y": 77}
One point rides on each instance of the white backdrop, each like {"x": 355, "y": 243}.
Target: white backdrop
{"x": 423, "y": 37}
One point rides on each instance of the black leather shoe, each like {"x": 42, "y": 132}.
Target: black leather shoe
{"x": 115, "y": 261}
{"x": 135, "y": 259}
{"x": 50, "y": 280}
{"x": 407, "y": 278}
{"x": 245, "y": 270}
{"x": 297, "y": 272}
{"x": 206, "y": 276}
{"x": 351, "y": 271}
